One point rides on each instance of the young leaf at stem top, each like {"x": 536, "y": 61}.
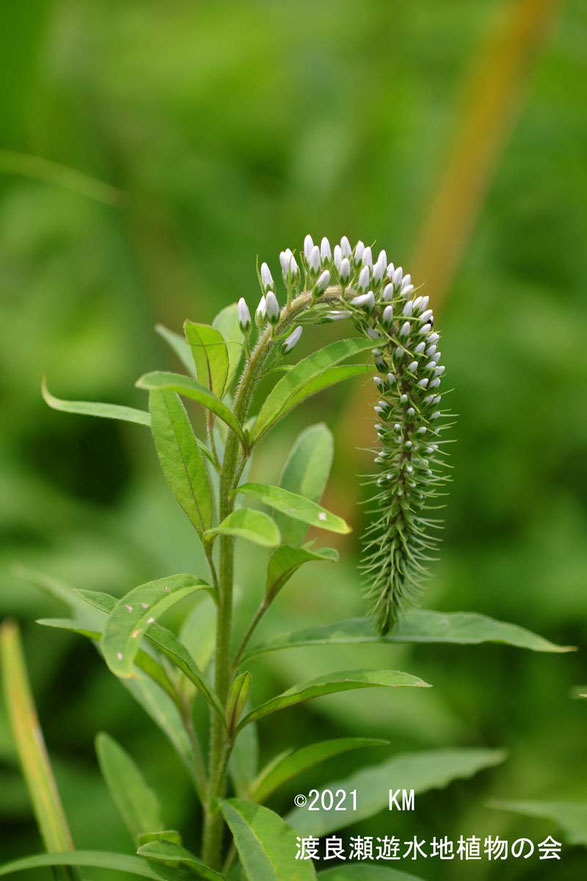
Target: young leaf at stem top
{"x": 227, "y": 322}
{"x": 209, "y": 354}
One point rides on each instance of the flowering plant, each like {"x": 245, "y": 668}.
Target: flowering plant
{"x": 225, "y": 363}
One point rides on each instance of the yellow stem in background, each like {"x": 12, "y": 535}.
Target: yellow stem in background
{"x": 491, "y": 105}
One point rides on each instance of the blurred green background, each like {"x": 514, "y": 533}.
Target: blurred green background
{"x": 214, "y": 132}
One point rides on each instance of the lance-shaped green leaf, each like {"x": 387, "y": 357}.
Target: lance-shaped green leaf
{"x": 417, "y": 626}
{"x": 330, "y": 684}
{"x": 570, "y": 816}
{"x": 94, "y": 859}
{"x": 228, "y": 324}
{"x": 166, "y": 642}
{"x": 365, "y": 872}
{"x": 306, "y": 473}
{"x": 189, "y": 388}
{"x": 135, "y": 612}
{"x": 181, "y": 460}
{"x": 252, "y": 525}
{"x": 304, "y": 380}
{"x": 180, "y": 346}
{"x": 146, "y": 663}
{"x": 285, "y": 561}
{"x": 294, "y": 505}
{"x": 30, "y": 746}
{"x": 174, "y": 854}
{"x": 136, "y": 802}
{"x": 209, "y": 354}
{"x": 266, "y": 845}
{"x": 421, "y": 771}
{"x": 164, "y": 835}
{"x": 244, "y": 760}
{"x": 294, "y": 762}
{"x": 93, "y": 408}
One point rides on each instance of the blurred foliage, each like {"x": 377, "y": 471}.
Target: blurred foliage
{"x": 230, "y": 129}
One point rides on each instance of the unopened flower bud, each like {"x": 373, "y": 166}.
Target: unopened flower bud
{"x": 325, "y": 252}
{"x": 345, "y": 247}
{"x": 388, "y": 291}
{"x": 405, "y": 328}
{"x": 314, "y": 259}
{"x": 339, "y": 314}
{"x": 266, "y": 278}
{"x": 345, "y": 269}
{"x": 291, "y": 340}
{"x": 261, "y": 313}
{"x": 337, "y": 257}
{"x": 364, "y": 278}
{"x": 387, "y": 316}
{"x": 272, "y": 307}
{"x": 244, "y": 316}
{"x": 367, "y": 257}
{"x": 323, "y": 282}
{"x": 364, "y": 301}
{"x": 359, "y": 248}
{"x": 308, "y": 246}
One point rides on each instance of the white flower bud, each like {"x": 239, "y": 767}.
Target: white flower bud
{"x": 426, "y": 328}
{"x": 403, "y": 399}
{"x": 387, "y": 316}
{"x": 379, "y": 267}
{"x": 423, "y": 382}
{"x": 391, "y": 378}
{"x": 373, "y": 334}
{"x": 365, "y": 301}
{"x": 439, "y": 371}
{"x": 421, "y": 430}
{"x": 390, "y": 270}
{"x": 323, "y": 282}
{"x": 420, "y": 348}
{"x": 325, "y": 252}
{"x": 291, "y": 340}
{"x": 285, "y": 261}
{"x": 367, "y": 257}
{"x": 272, "y": 307}
{"x": 378, "y": 381}
{"x": 261, "y": 313}
{"x": 339, "y": 314}
{"x": 388, "y": 291}
{"x": 430, "y": 366}
{"x": 398, "y": 275}
{"x": 436, "y": 415}
{"x": 426, "y": 315}
{"x": 425, "y": 301}
{"x": 407, "y": 310}
{"x": 244, "y": 316}
{"x": 430, "y": 351}
{"x": 337, "y": 257}
{"x": 294, "y": 268}
{"x": 345, "y": 247}
{"x": 382, "y": 258}
{"x": 405, "y": 328}
{"x": 434, "y": 337}
{"x": 418, "y": 304}
{"x": 413, "y": 366}
{"x": 407, "y": 290}
{"x": 266, "y": 278}
{"x": 434, "y": 383}
{"x": 436, "y": 356}
{"x": 364, "y": 278}
{"x": 410, "y": 412}
{"x": 345, "y": 269}
{"x": 359, "y": 248}
{"x": 308, "y": 246}
{"x": 314, "y": 259}
{"x": 406, "y": 280}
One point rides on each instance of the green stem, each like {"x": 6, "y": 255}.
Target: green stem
{"x": 232, "y": 465}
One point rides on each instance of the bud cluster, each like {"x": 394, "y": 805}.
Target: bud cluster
{"x": 383, "y": 304}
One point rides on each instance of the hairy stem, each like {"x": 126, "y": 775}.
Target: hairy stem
{"x": 232, "y": 465}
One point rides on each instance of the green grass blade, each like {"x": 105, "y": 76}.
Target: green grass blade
{"x": 31, "y": 748}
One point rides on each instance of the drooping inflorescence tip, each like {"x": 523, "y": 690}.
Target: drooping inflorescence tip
{"x": 380, "y": 299}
